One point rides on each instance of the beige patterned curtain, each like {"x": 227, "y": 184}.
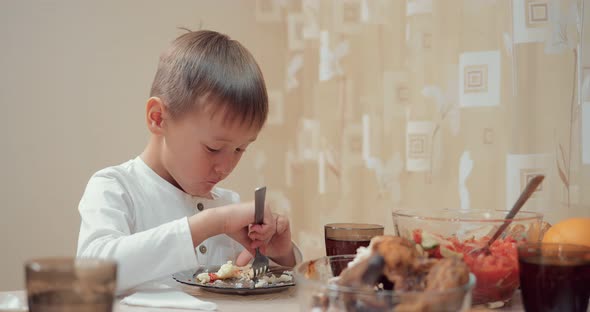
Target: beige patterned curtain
{"x": 425, "y": 104}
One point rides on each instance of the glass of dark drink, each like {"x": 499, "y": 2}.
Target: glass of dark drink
{"x": 554, "y": 277}
{"x": 70, "y": 284}
{"x": 346, "y": 238}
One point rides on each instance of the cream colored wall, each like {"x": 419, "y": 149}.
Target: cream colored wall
{"x": 74, "y": 76}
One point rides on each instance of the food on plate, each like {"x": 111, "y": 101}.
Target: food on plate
{"x": 394, "y": 263}
{"x": 230, "y": 275}
{"x": 570, "y": 231}
{"x": 226, "y": 271}
{"x": 496, "y": 273}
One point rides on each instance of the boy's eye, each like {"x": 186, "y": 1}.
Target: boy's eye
{"x": 240, "y": 150}
{"x": 212, "y": 150}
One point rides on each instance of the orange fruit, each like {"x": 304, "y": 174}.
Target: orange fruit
{"x": 569, "y": 231}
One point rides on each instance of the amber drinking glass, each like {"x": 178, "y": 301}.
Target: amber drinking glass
{"x": 554, "y": 277}
{"x": 70, "y": 284}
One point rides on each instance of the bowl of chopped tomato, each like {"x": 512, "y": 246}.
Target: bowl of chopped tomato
{"x": 454, "y": 233}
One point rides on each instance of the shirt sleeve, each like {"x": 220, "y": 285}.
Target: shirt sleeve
{"x": 106, "y": 232}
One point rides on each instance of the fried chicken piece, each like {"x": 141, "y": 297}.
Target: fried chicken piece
{"x": 430, "y": 274}
{"x": 447, "y": 273}
{"x": 402, "y": 261}
{"x": 352, "y": 275}
{"x": 400, "y": 257}
{"x": 415, "y": 279}
{"x": 444, "y": 274}
{"x": 408, "y": 270}
{"x": 399, "y": 253}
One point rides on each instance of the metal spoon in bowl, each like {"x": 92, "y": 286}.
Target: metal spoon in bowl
{"x": 524, "y": 196}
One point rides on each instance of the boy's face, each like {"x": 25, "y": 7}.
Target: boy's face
{"x": 201, "y": 149}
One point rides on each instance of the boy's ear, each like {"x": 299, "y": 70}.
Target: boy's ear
{"x": 154, "y": 115}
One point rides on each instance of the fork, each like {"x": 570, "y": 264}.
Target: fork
{"x": 260, "y": 264}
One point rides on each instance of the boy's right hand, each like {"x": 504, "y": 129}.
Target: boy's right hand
{"x": 232, "y": 220}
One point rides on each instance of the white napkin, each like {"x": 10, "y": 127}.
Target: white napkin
{"x": 168, "y": 298}
{"x": 10, "y": 302}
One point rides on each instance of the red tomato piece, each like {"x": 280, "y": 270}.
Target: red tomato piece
{"x": 213, "y": 277}
{"x": 417, "y": 236}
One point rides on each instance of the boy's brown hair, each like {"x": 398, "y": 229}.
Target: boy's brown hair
{"x": 204, "y": 67}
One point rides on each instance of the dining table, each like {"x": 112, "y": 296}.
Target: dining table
{"x": 284, "y": 301}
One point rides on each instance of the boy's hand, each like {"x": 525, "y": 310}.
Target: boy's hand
{"x": 273, "y": 236}
{"x": 277, "y": 245}
{"x": 238, "y": 222}
{"x": 232, "y": 220}
{"x": 239, "y": 230}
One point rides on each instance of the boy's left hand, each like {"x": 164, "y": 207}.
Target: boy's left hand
{"x": 274, "y": 240}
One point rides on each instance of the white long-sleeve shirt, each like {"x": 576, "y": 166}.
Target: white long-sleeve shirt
{"x": 131, "y": 214}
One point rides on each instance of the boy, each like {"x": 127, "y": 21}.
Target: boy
{"x": 161, "y": 212}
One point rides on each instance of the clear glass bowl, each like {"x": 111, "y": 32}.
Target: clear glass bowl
{"x": 453, "y": 233}
{"x": 316, "y": 293}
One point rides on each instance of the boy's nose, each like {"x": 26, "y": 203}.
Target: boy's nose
{"x": 221, "y": 172}
{"x": 225, "y": 165}
{"x": 223, "y": 169}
